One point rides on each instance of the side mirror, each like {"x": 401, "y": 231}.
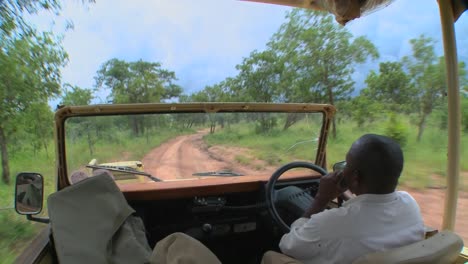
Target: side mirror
{"x": 29, "y": 193}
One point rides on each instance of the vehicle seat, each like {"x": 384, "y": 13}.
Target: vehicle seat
{"x": 272, "y": 257}
{"x": 179, "y": 248}
{"x": 443, "y": 247}
{"x": 92, "y": 223}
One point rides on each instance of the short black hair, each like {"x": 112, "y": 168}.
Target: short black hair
{"x": 379, "y": 161}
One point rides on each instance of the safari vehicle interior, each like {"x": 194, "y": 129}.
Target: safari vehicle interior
{"x": 236, "y": 211}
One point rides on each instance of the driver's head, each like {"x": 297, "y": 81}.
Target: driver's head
{"x": 373, "y": 165}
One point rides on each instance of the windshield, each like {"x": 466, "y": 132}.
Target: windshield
{"x": 168, "y": 147}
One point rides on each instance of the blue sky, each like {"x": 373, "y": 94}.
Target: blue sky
{"x": 202, "y": 41}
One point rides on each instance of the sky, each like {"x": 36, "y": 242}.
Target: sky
{"x": 202, "y": 41}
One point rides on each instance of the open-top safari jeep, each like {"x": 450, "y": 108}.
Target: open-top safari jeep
{"x": 212, "y": 171}
{"x": 214, "y": 177}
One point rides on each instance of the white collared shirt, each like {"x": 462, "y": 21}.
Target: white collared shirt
{"x": 364, "y": 224}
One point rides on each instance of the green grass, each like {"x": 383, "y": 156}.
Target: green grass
{"x": 15, "y": 230}
{"x": 242, "y": 159}
{"x": 133, "y": 148}
{"x": 424, "y": 160}
{"x": 274, "y": 148}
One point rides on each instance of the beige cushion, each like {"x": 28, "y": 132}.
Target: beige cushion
{"x": 92, "y": 223}
{"x": 443, "y": 247}
{"x": 272, "y": 257}
{"x": 179, "y": 248}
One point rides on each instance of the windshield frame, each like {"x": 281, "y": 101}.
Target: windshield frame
{"x": 65, "y": 112}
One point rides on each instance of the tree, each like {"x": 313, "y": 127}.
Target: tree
{"x": 75, "y": 95}
{"x": 259, "y": 78}
{"x": 137, "y": 82}
{"x": 391, "y": 87}
{"x": 12, "y": 14}
{"x": 30, "y": 74}
{"x": 90, "y": 128}
{"x": 425, "y": 77}
{"x": 427, "y": 73}
{"x": 319, "y": 57}
{"x": 38, "y": 123}
{"x": 364, "y": 108}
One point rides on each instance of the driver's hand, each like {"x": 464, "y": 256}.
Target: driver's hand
{"x": 330, "y": 187}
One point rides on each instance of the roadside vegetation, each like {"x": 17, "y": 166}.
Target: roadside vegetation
{"x": 15, "y": 230}
{"x": 425, "y": 161}
{"x": 310, "y": 59}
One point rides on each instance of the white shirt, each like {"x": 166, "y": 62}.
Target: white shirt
{"x": 364, "y": 224}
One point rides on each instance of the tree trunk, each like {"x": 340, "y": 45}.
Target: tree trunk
{"x": 421, "y": 126}
{"x": 4, "y": 150}
{"x": 135, "y": 129}
{"x": 334, "y": 127}
{"x": 332, "y": 102}
{"x": 212, "y": 127}
{"x": 90, "y": 143}
{"x": 291, "y": 119}
{"x": 46, "y": 148}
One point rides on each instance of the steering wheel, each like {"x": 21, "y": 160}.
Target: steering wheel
{"x": 270, "y": 188}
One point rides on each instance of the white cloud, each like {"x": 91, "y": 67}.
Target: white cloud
{"x": 202, "y": 41}
{"x": 215, "y": 34}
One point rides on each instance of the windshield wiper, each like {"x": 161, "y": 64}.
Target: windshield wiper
{"x": 125, "y": 169}
{"x": 218, "y": 173}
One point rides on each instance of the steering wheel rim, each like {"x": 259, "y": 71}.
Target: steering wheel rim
{"x": 272, "y": 182}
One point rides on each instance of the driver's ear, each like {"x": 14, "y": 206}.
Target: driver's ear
{"x": 355, "y": 181}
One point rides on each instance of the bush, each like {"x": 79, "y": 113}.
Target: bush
{"x": 396, "y": 130}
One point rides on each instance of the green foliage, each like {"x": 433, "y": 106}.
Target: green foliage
{"x": 464, "y": 109}
{"x": 30, "y": 75}
{"x": 309, "y": 59}
{"x": 428, "y": 77}
{"x": 391, "y": 87}
{"x": 12, "y": 13}
{"x": 75, "y": 95}
{"x": 320, "y": 57}
{"x": 15, "y": 231}
{"x": 221, "y": 92}
{"x": 396, "y": 130}
{"x": 38, "y": 126}
{"x": 362, "y": 109}
{"x": 137, "y": 82}
{"x": 259, "y": 78}
{"x": 30, "y": 71}
{"x": 272, "y": 148}
{"x": 265, "y": 124}
{"x": 422, "y": 159}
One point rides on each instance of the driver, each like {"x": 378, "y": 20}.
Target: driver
{"x": 378, "y": 218}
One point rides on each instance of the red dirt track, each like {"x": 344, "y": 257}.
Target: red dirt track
{"x": 165, "y": 162}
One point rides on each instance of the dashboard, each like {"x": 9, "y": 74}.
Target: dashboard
{"x": 213, "y": 217}
{"x": 231, "y": 224}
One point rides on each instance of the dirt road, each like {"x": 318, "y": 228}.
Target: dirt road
{"x": 431, "y": 202}
{"x": 182, "y": 156}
